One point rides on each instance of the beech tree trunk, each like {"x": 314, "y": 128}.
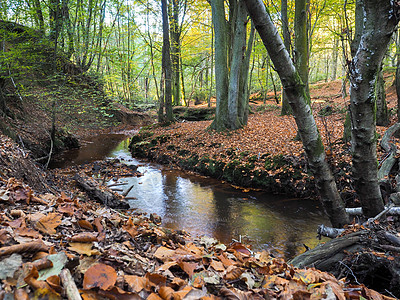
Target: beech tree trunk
{"x": 299, "y": 102}
{"x": 232, "y": 64}
{"x": 166, "y": 98}
{"x": 380, "y": 19}
{"x": 286, "y": 110}
{"x": 382, "y": 113}
{"x": 221, "y": 58}
{"x": 301, "y": 41}
{"x": 238, "y": 47}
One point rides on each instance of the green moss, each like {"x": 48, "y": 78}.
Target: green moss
{"x": 184, "y": 152}
{"x": 319, "y": 147}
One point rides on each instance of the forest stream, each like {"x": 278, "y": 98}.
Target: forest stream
{"x": 206, "y": 206}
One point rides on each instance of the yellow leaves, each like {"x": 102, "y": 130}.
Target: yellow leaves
{"x": 83, "y": 248}
{"x": 49, "y": 223}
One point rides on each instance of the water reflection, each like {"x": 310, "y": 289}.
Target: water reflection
{"x": 203, "y": 206}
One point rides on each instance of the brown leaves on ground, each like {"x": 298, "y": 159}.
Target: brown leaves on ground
{"x": 114, "y": 255}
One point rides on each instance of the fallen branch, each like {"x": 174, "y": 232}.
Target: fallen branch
{"x": 102, "y": 193}
{"x": 325, "y": 255}
{"x": 328, "y": 231}
{"x": 357, "y": 211}
{"x": 68, "y": 282}
{"x": 25, "y": 247}
{"x": 124, "y": 194}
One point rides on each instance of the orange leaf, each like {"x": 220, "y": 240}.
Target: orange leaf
{"x": 217, "y": 266}
{"x": 164, "y": 253}
{"x": 83, "y": 248}
{"x": 166, "y": 293}
{"x": 154, "y": 280}
{"x": 233, "y": 273}
{"x": 101, "y": 276}
{"x": 85, "y": 224}
{"x": 48, "y": 223}
{"x": 188, "y": 268}
{"x": 84, "y": 237}
{"x": 154, "y": 296}
{"x": 135, "y": 282}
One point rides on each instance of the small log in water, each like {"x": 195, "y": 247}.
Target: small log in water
{"x": 99, "y": 192}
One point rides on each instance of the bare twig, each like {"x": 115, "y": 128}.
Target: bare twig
{"x": 68, "y": 282}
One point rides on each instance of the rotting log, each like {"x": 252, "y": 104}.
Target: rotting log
{"x": 99, "y": 192}
{"x": 366, "y": 256}
{"x": 325, "y": 256}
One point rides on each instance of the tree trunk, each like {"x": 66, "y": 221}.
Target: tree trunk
{"x": 286, "y": 110}
{"x": 230, "y": 46}
{"x": 335, "y": 55}
{"x": 175, "y": 50}
{"x": 166, "y": 64}
{"x": 301, "y": 41}
{"x": 382, "y": 113}
{"x": 238, "y": 47}
{"x": 221, "y": 58}
{"x": 244, "y": 80}
{"x": 299, "y": 101}
{"x": 380, "y": 20}
{"x": 397, "y": 78}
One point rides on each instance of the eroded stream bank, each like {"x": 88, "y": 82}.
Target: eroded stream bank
{"x": 205, "y": 206}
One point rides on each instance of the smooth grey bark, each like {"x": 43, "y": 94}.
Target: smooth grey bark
{"x": 245, "y": 79}
{"x": 299, "y": 101}
{"x": 285, "y": 110}
{"x": 380, "y": 20}
{"x": 221, "y": 58}
{"x": 238, "y": 47}
{"x": 382, "y": 113}
{"x": 335, "y": 55}
{"x": 166, "y": 98}
{"x": 231, "y": 64}
{"x": 176, "y": 32}
{"x": 301, "y": 48}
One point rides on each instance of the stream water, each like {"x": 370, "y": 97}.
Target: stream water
{"x": 204, "y": 206}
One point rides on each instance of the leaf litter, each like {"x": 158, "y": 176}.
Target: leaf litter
{"x": 125, "y": 255}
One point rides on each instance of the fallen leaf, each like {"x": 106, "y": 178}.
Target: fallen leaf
{"x": 59, "y": 260}
{"x": 85, "y": 224}
{"x": 83, "y": 248}
{"x": 136, "y": 283}
{"x": 101, "y": 276}
{"x": 187, "y": 267}
{"x": 217, "y": 266}
{"x": 49, "y": 223}
{"x": 163, "y": 253}
{"x": 84, "y": 237}
{"x": 9, "y": 265}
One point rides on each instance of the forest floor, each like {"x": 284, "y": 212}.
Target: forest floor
{"x": 56, "y": 242}
{"x": 59, "y": 244}
{"x": 264, "y": 154}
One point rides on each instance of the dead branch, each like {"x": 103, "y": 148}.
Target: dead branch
{"x": 25, "y": 247}
{"x": 102, "y": 193}
{"x": 68, "y": 282}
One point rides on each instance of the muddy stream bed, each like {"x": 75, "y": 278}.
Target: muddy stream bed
{"x": 205, "y": 206}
